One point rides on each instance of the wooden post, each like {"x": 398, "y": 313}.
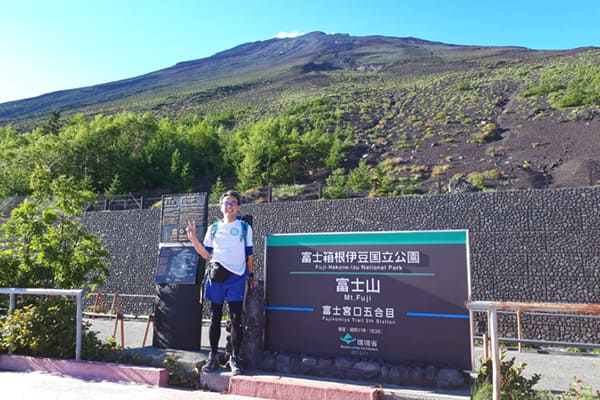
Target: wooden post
{"x": 150, "y": 321}
{"x": 112, "y": 305}
{"x": 120, "y": 318}
{"x": 99, "y": 302}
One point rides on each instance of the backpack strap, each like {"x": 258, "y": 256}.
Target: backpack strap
{"x": 215, "y": 225}
{"x": 213, "y": 230}
{"x": 245, "y": 233}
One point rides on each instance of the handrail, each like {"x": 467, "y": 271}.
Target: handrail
{"x": 520, "y": 341}
{"x": 77, "y": 293}
{"x": 492, "y": 308}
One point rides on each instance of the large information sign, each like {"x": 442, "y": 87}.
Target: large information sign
{"x": 178, "y": 313}
{"x": 177, "y": 211}
{"x": 396, "y": 296}
{"x": 178, "y": 261}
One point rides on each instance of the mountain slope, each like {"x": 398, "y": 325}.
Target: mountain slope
{"x": 247, "y": 64}
{"x": 423, "y": 112}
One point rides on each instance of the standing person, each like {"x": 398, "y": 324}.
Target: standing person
{"x": 229, "y": 251}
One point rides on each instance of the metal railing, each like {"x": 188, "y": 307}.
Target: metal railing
{"x": 129, "y": 201}
{"x": 520, "y": 340}
{"x": 77, "y": 293}
{"x": 493, "y": 307}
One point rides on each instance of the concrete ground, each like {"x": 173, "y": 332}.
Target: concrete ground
{"x": 37, "y": 385}
{"x": 557, "y": 368}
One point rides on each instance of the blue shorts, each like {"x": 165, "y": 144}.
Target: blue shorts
{"x": 232, "y": 289}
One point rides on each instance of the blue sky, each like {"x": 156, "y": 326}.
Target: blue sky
{"x": 50, "y": 45}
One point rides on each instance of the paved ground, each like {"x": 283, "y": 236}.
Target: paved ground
{"x": 134, "y": 332}
{"x": 556, "y": 367}
{"x": 37, "y": 385}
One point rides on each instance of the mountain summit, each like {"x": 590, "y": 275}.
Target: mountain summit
{"x": 248, "y": 64}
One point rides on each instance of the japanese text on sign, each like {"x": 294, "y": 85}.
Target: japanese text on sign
{"x": 360, "y": 257}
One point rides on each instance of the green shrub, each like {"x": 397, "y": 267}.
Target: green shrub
{"x": 383, "y": 184}
{"x": 476, "y": 179}
{"x": 43, "y": 244}
{"x": 179, "y": 377}
{"x": 413, "y": 188}
{"x": 440, "y": 169}
{"x": 579, "y": 391}
{"x": 359, "y": 179}
{"x": 336, "y": 185}
{"x": 287, "y": 191}
{"x": 552, "y": 80}
{"x": 463, "y": 86}
{"x": 514, "y": 386}
{"x": 574, "y": 350}
{"x": 583, "y": 89}
{"x": 216, "y": 191}
{"x": 47, "y": 328}
{"x": 543, "y": 89}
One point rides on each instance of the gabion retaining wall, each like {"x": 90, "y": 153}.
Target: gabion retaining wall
{"x": 131, "y": 237}
{"x": 536, "y": 245}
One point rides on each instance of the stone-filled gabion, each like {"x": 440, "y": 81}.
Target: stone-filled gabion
{"x": 131, "y": 237}
{"x": 534, "y": 245}
{"x": 413, "y": 374}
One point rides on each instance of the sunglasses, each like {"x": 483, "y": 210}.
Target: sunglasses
{"x": 230, "y": 203}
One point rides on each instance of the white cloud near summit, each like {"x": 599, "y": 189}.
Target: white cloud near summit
{"x": 283, "y": 35}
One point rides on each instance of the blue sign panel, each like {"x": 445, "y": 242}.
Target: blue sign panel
{"x": 177, "y": 265}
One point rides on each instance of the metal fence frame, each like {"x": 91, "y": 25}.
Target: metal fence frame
{"x": 77, "y": 293}
{"x": 493, "y": 307}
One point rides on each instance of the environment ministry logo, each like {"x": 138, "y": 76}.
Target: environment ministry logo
{"x": 348, "y": 338}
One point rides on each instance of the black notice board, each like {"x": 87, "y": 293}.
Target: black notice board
{"x": 178, "y": 312}
{"x": 177, "y": 211}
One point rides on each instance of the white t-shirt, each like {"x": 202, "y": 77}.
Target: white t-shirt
{"x": 228, "y": 245}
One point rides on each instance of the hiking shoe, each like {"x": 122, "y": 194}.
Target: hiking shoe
{"x": 234, "y": 364}
{"x": 211, "y": 365}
